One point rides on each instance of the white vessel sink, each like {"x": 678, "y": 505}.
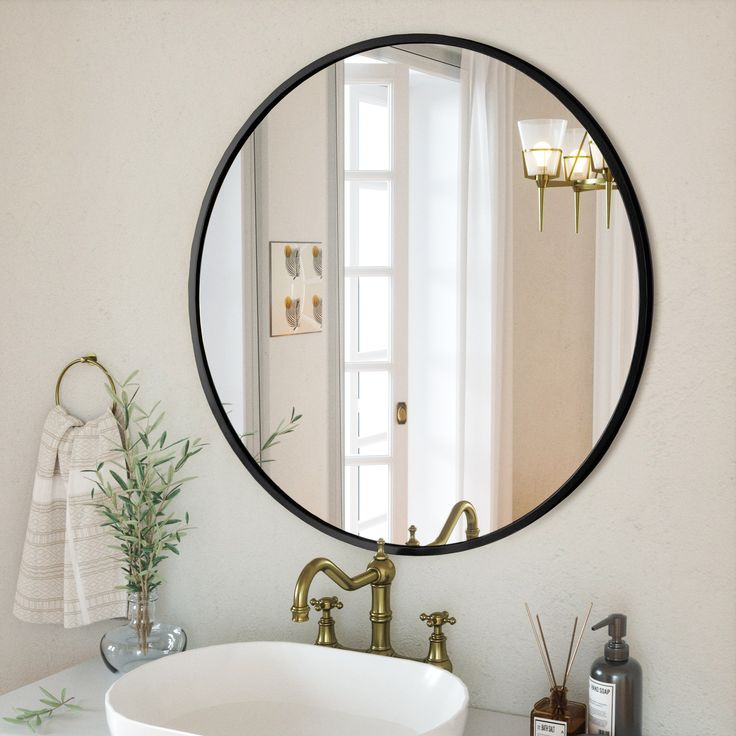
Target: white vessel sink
{"x": 284, "y": 689}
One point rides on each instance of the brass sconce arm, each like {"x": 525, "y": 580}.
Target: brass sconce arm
{"x": 300, "y": 609}
{"x": 457, "y": 511}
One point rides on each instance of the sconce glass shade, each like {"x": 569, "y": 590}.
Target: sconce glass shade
{"x": 576, "y": 155}
{"x": 598, "y": 162}
{"x": 541, "y": 143}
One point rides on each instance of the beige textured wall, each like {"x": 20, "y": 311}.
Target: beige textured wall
{"x": 114, "y": 116}
{"x": 292, "y": 205}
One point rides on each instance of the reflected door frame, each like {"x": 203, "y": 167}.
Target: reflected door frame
{"x": 397, "y": 78}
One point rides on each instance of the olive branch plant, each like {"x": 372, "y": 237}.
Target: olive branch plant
{"x": 133, "y": 492}
{"x": 33, "y": 718}
{"x": 284, "y": 427}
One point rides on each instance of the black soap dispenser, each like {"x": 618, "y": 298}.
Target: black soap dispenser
{"x": 615, "y": 686}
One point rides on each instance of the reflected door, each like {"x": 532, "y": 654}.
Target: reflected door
{"x": 374, "y": 299}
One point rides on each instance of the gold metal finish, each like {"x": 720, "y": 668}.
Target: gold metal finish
{"x": 401, "y": 413}
{"x": 471, "y": 530}
{"x": 570, "y": 171}
{"x": 438, "y": 641}
{"x": 379, "y": 574}
{"x": 326, "y": 636}
{"x": 412, "y": 541}
{"x": 89, "y": 360}
{"x": 602, "y": 179}
{"x": 553, "y": 174}
{"x": 300, "y": 609}
{"x": 542, "y": 181}
{"x": 456, "y": 512}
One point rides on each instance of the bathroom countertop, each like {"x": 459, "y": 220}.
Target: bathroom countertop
{"x": 88, "y": 682}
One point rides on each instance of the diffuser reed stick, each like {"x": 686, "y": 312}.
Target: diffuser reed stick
{"x": 569, "y": 653}
{"x": 580, "y": 638}
{"x": 549, "y": 660}
{"x": 539, "y": 645}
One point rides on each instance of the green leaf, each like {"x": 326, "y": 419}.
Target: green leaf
{"x": 48, "y": 694}
{"x": 129, "y": 378}
{"x": 119, "y": 480}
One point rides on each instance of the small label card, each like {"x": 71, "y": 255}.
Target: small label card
{"x": 547, "y": 727}
{"x": 601, "y": 707}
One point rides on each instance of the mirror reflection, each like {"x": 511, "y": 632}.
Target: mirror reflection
{"x": 418, "y": 295}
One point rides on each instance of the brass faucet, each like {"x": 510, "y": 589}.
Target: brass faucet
{"x": 379, "y": 575}
{"x": 456, "y": 512}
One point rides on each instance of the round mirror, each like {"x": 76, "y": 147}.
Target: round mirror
{"x": 420, "y": 293}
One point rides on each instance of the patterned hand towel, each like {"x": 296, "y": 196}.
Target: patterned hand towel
{"x": 69, "y": 573}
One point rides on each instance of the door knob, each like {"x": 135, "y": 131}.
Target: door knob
{"x": 401, "y": 412}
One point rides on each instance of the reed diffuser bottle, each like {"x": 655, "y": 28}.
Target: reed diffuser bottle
{"x": 555, "y": 715}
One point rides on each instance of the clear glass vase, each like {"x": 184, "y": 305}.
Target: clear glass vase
{"x": 142, "y": 639}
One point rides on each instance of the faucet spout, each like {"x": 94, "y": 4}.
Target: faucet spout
{"x": 471, "y": 518}
{"x": 300, "y": 609}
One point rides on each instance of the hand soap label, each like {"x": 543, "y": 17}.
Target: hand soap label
{"x": 546, "y": 727}
{"x": 601, "y": 707}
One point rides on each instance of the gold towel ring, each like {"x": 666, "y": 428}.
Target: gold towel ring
{"x": 90, "y": 360}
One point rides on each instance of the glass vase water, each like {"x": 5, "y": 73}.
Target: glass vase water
{"x": 142, "y": 639}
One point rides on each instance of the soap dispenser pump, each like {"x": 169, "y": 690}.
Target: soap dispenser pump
{"x": 615, "y": 685}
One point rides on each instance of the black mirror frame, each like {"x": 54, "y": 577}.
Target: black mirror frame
{"x": 643, "y": 259}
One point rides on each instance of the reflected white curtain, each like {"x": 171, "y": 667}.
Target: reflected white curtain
{"x": 434, "y": 186}
{"x": 485, "y": 271}
{"x": 460, "y": 342}
{"x": 616, "y": 310}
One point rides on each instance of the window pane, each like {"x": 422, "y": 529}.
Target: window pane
{"x": 367, "y": 127}
{"x": 368, "y": 223}
{"x": 367, "y": 318}
{"x": 373, "y": 496}
{"x": 373, "y": 315}
{"x": 373, "y": 412}
{"x": 367, "y": 412}
{"x": 350, "y": 389}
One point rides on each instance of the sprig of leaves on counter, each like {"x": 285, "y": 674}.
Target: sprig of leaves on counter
{"x": 32, "y": 719}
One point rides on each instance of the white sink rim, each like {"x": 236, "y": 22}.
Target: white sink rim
{"x": 448, "y": 713}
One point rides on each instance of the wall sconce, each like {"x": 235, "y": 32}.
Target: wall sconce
{"x": 579, "y": 161}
